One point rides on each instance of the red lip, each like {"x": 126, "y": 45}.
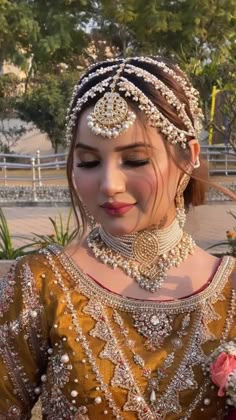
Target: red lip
{"x": 117, "y": 209}
{"x": 116, "y": 205}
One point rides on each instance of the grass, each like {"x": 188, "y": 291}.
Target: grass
{"x": 62, "y": 235}
{"x": 7, "y": 250}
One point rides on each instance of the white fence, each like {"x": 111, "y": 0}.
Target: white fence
{"x": 221, "y": 160}
{"x": 36, "y": 164}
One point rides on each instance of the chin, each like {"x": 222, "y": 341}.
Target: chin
{"x": 118, "y": 228}
{"x": 121, "y": 226}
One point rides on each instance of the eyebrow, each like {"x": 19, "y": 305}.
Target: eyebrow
{"x": 117, "y": 149}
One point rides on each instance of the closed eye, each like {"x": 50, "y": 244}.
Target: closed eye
{"x": 136, "y": 162}
{"x": 89, "y": 164}
{"x": 131, "y": 163}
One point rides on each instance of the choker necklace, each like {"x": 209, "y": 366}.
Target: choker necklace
{"x": 147, "y": 255}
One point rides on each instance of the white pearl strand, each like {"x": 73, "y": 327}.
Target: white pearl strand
{"x": 167, "y": 238}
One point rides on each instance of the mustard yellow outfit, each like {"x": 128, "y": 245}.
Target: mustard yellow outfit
{"x": 92, "y": 354}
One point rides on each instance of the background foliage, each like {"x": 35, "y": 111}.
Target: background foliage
{"x": 45, "y": 104}
{"x": 52, "y": 42}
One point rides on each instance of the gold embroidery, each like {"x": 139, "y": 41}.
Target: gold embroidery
{"x": 195, "y": 313}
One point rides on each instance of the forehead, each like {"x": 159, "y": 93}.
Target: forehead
{"x": 139, "y": 132}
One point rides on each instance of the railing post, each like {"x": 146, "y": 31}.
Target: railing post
{"x": 39, "y": 168}
{"x": 226, "y": 162}
{"x": 5, "y": 172}
{"x": 33, "y": 180}
{"x": 57, "y": 166}
{"x": 208, "y": 156}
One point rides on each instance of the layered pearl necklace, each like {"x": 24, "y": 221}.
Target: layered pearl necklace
{"x": 147, "y": 255}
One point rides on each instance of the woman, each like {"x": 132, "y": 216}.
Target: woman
{"x": 120, "y": 324}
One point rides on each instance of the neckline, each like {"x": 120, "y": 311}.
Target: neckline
{"x": 90, "y": 288}
{"x": 208, "y": 282}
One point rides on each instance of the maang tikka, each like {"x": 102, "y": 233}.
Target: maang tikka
{"x": 111, "y": 115}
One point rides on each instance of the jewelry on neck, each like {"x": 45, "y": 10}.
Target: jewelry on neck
{"x": 146, "y": 256}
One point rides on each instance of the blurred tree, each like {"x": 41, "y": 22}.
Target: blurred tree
{"x": 181, "y": 28}
{"x": 39, "y": 35}
{"x": 45, "y": 104}
{"x": 18, "y": 31}
{"x": 62, "y": 32}
{"x": 199, "y": 34}
{"x": 10, "y": 132}
{"x": 45, "y": 37}
{"x": 227, "y": 110}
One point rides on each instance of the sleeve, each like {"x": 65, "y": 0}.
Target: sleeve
{"x": 23, "y": 341}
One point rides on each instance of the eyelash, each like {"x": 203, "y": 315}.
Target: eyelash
{"x": 131, "y": 163}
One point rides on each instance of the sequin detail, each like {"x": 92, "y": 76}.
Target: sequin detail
{"x": 194, "y": 316}
{"x": 7, "y": 289}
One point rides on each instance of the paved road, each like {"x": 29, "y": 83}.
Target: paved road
{"x": 207, "y": 223}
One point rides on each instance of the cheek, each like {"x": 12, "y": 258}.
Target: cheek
{"x": 86, "y": 185}
{"x": 155, "y": 188}
{"x": 164, "y": 181}
{"x": 144, "y": 187}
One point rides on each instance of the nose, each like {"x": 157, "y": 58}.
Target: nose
{"x": 112, "y": 181}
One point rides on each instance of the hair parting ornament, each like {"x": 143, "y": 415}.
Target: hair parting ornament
{"x": 111, "y": 114}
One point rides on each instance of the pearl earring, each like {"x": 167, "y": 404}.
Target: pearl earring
{"x": 197, "y": 163}
{"x": 179, "y": 200}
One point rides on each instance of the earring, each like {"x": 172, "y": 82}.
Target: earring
{"x": 179, "y": 200}
{"x": 197, "y": 163}
{"x": 90, "y": 219}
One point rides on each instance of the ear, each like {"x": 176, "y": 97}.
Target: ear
{"x": 195, "y": 150}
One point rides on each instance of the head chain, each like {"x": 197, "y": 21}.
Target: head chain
{"x": 155, "y": 117}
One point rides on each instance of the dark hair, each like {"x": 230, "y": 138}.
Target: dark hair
{"x": 195, "y": 191}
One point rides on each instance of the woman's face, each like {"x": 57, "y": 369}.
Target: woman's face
{"x": 127, "y": 183}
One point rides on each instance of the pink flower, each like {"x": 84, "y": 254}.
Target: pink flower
{"x": 220, "y": 370}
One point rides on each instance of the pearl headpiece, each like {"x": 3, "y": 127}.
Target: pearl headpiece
{"x": 111, "y": 115}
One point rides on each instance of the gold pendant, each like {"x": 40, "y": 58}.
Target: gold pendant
{"x": 150, "y": 271}
{"x": 111, "y": 116}
{"x": 111, "y": 110}
{"x": 145, "y": 248}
